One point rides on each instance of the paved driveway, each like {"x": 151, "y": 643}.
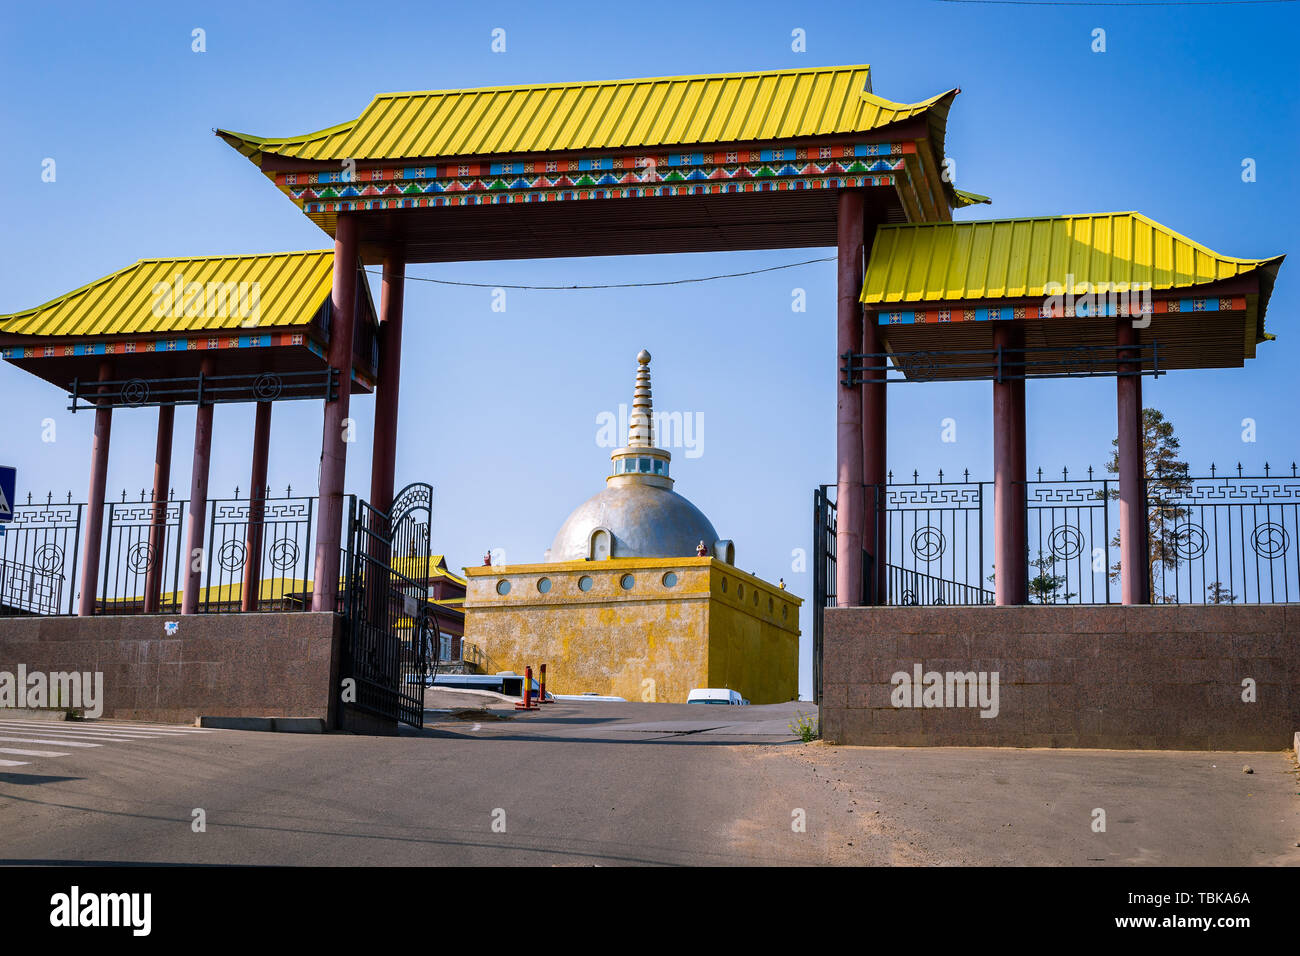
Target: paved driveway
{"x": 609, "y": 784}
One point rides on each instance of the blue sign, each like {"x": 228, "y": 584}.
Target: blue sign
{"x": 8, "y": 479}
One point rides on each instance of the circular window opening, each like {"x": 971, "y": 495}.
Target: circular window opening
{"x": 584, "y": 583}
{"x": 503, "y": 587}
{"x": 670, "y": 580}
{"x": 626, "y": 581}
{"x": 544, "y": 585}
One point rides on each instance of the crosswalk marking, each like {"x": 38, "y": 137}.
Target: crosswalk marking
{"x": 96, "y": 729}
{"x": 47, "y": 741}
{"x": 44, "y": 727}
{"x": 156, "y": 729}
{"x": 74, "y": 734}
{"x": 64, "y": 736}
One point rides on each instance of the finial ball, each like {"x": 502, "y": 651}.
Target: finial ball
{"x": 643, "y": 357}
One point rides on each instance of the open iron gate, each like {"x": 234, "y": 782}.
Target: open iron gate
{"x": 392, "y": 625}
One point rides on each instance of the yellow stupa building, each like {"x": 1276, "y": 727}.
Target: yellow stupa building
{"x": 638, "y": 596}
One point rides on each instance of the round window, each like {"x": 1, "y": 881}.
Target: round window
{"x": 544, "y": 585}
{"x": 503, "y": 587}
{"x": 670, "y": 580}
{"x": 627, "y": 581}
{"x": 584, "y": 583}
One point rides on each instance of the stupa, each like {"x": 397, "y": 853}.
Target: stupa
{"x": 638, "y": 597}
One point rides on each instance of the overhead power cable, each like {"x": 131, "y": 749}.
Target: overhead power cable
{"x": 609, "y": 285}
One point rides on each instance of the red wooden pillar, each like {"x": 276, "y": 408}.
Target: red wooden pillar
{"x": 1010, "y": 548}
{"x": 383, "y": 458}
{"x": 95, "y": 501}
{"x": 875, "y": 467}
{"x": 850, "y": 475}
{"x": 194, "y": 557}
{"x": 162, "y": 470}
{"x": 333, "y": 447}
{"x": 1135, "y": 586}
{"x": 252, "y": 585}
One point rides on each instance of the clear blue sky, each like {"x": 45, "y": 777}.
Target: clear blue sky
{"x": 498, "y": 410}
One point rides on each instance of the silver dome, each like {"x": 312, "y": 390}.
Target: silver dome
{"x": 644, "y": 521}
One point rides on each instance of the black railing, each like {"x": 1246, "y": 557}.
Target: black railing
{"x": 203, "y": 389}
{"x": 41, "y": 554}
{"x": 1212, "y": 539}
{"x": 142, "y": 560}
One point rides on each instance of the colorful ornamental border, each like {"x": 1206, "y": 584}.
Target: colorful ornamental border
{"x": 568, "y": 164}
{"x": 183, "y": 344}
{"x": 1106, "y": 309}
{"x": 587, "y": 180}
{"x": 626, "y": 192}
{"x": 568, "y": 178}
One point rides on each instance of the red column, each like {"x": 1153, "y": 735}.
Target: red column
{"x": 1010, "y": 548}
{"x": 383, "y": 458}
{"x": 875, "y": 468}
{"x": 333, "y": 448}
{"x": 162, "y": 470}
{"x": 850, "y": 474}
{"x": 196, "y": 519}
{"x": 1135, "y": 586}
{"x": 95, "y": 502}
{"x": 256, "y": 509}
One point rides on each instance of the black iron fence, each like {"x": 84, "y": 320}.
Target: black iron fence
{"x": 1213, "y": 539}
{"x": 258, "y": 555}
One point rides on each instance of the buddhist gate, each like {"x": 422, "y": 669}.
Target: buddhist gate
{"x": 763, "y": 160}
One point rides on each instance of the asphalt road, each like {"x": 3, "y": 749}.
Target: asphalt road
{"x": 610, "y": 784}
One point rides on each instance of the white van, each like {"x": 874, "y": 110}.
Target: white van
{"x": 715, "y": 695}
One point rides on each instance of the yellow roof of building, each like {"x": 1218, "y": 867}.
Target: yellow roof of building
{"x": 616, "y": 114}
{"x": 1012, "y": 258}
{"x": 430, "y": 566}
{"x": 286, "y": 288}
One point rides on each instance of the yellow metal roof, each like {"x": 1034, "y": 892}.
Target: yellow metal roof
{"x": 290, "y": 288}
{"x": 660, "y": 111}
{"x": 1011, "y": 258}
{"x": 431, "y": 566}
{"x": 966, "y": 198}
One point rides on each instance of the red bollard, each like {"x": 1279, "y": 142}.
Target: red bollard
{"x": 527, "y": 702}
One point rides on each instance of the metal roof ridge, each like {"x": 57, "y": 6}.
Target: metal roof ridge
{"x": 684, "y": 77}
{"x": 1169, "y": 230}
{"x": 86, "y": 287}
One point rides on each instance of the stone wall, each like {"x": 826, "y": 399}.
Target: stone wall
{"x": 236, "y": 665}
{"x": 1150, "y": 677}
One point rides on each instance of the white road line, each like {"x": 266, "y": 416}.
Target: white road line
{"x": 26, "y": 727}
{"x": 47, "y": 741}
{"x": 31, "y": 753}
{"x": 13, "y": 763}
{"x": 152, "y": 728}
